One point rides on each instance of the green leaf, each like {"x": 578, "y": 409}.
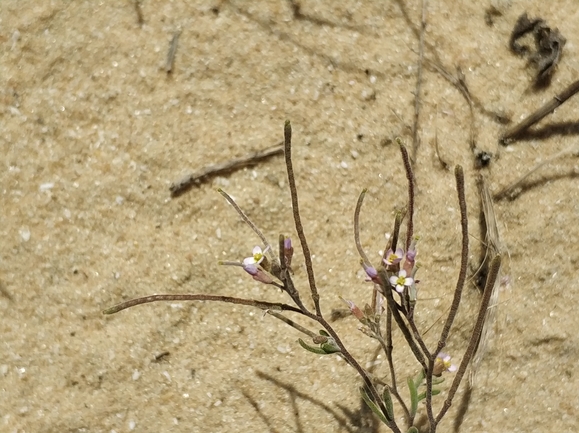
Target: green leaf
{"x": 437, "y": 380}
{"x": 312, "y": 349}
{"x": 413, "y": 397}
{"x": 373, "y": 407}
{"x": 422, "y": 395}
{"x": 388, "y": 403}
{"x": 419, "y": 379}
{"x": 412, "y": 430}
{"x": 324, "y": 333}
{"x": 329, "y": 348}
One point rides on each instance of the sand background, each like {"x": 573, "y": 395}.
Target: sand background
{"x": 94, "y": 131}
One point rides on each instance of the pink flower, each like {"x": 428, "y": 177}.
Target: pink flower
{"x": 356, "y": 312}
{"x": 371, "y": 272}
{"x": 257, "y": 273}
{"x": 288, "y": 251}
{"x": 410, "y": 257}
{"x": 442, "y": 363}
{"x": 393, "y": 258}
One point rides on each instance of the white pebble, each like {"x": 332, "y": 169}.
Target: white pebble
{"x": 24, "y": 233}
{"x": 46, "y": 186}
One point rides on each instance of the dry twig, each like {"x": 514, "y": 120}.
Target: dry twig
{"x": 179, "y": 187}
{"x": 512, "y": 133}
{"x": 493, "y": 248}
{"x": 170, "y": 63}
{"x": 513, "y": 189}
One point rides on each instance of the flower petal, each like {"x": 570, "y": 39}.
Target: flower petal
{"x": 249, "y": 261}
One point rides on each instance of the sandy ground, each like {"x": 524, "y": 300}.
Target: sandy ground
{"x": 94, "y": 131}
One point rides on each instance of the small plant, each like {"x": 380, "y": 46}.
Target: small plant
{"x": 395, "y": 285}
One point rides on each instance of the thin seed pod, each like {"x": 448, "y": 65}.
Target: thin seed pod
{"x": 297, "y": 218}
{"x": 494, "y": 269}
{"x": 459, "y": 175}
{"x": 247, "y": 221}
{"x": 410, "y": 178}
{"x": 395, "y": 234}
{"x": 357, "y": 227}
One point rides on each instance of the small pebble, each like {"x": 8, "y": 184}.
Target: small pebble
{"x": 24, "y": 233}
{"x": 46, "y": 186}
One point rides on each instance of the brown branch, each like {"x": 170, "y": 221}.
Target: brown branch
{"x": 201, "y": 297}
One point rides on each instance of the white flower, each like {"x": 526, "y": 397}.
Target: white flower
{"x": 256, "y": 258}
{"x": 398, "y": 282}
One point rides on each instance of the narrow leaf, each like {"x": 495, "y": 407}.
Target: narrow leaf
{"x": 373, "y": 407}
{"x": 413, "y": 397}
{"x": 329, "y": 348}
{"x": 422, "y": 395}
{"x": 388, "y": 403}
{"x": 437, "y": 380}
{"x": 419, "y": 379}
{"x": 312, "y": 349}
